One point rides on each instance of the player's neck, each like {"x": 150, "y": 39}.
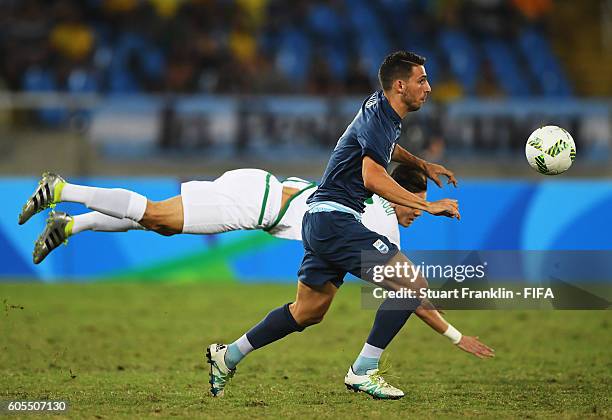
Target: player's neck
{"x": 397, "y": 104}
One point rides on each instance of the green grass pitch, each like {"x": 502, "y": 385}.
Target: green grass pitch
{"x": 116, "y": 350}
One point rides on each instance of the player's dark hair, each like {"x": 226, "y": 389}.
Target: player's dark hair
{"x": 410, "y": 179}
{"x": 397, "y": 65}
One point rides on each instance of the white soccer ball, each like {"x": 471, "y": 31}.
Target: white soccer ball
{"x": 550, "y": 150}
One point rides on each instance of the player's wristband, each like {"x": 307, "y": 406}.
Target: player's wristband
{"x": 452, "y": 334}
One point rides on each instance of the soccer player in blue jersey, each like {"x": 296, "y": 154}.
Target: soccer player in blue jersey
{"x": 334, "y": 237}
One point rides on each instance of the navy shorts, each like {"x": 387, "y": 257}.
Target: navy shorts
{"x": 336, "y": 243}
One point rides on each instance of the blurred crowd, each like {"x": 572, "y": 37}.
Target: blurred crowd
{"x": 473, "y": 47}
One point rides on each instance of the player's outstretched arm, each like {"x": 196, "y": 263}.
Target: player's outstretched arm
{"x": 469, "y": 344}
{"x": 431, "y": 170}
{"x": 377, "y": 180}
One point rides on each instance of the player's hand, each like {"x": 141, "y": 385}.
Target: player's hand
{"x": 433, "y": 171}
{"x": 445, "y": 207}
{"x": 474, "y": 346}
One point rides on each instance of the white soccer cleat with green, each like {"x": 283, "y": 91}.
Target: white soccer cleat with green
{"x": 372, "y": 383}
{"x": 220, "y": 374}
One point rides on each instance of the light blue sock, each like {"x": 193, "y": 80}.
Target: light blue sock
{"x": 363, "y": 364}
{"x": 237, "y": 351}
{"x": 233, "y": 356}
{"x": 367, "y": 359}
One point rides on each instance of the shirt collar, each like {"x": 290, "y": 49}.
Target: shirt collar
{"x": 389, "y": 109}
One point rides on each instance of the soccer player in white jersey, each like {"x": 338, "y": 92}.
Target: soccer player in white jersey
{"x": 242, "y": 199}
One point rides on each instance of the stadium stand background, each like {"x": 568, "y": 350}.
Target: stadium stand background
{"x": 194, "y": 87}
{"x": 259, "y": 46}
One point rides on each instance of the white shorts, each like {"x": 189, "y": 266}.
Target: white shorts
{"x": 242, "y": 199}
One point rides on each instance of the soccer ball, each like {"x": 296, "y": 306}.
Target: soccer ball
{"x": 550, "y": 150}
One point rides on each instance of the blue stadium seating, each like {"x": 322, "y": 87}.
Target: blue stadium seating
{"x": 128, "y": 45}
{"x": 325, "y": 23}
{"x": 293, "y": 56}
{"x": 505, "y": 67}
{"x": 82, "y": 81}
{"x": 337, "y": 59}
{"x": 463, "y": 58}
{"x": 329, "y": 36}
{"x": 371, "y": 42}
{"x": 396, "y": 13}
{"x": 543, "y": 64}
{"x": 121, "y": 81}
{"x": 153, "y": 62}
{"x": 41, "y": 80}
{"x": 336, "y": 31}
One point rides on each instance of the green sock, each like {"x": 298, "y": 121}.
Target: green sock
{"x": 68, "y": 228}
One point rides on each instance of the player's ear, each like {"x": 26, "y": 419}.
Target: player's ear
{"x": 398, "y": 85}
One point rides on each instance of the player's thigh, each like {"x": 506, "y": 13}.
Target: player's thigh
{"x": 402, "y": 273}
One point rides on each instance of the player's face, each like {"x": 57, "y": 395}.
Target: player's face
{"x": 407, "y": 215}
{"x": 415, "y": 90}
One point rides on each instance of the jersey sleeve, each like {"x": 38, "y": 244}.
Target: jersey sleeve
{"x": 373, "y": 141}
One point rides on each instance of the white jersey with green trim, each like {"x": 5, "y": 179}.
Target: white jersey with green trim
{"x": 379, "y": 216}
{"x": 288, "y": 224}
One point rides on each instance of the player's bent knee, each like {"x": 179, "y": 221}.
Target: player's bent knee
{"x": 160, "y": 218}
{"x": 309, "y": 320}
{"x": 307, "y": 316}
{"x": 161, "y": 228}
{"x": 314, "y": 317}
{"x": 163, "y": 231}
{"x": 311, "y": 303}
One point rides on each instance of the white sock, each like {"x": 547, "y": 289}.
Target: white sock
{"x": 244, "y": 345}
{"x": 371, "y": 351}
{"x": 367, "y": 359}
{"x": 102, "y": 223}
{"x": 115, "y": 202}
